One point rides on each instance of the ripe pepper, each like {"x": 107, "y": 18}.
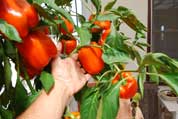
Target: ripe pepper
{"x": 67, "y": 27}
{"x": 103, "y": 37}
{"x": 20, "y": 14}
{"x": 29, "y": 11}
{"x": 90, "y": 58}
{"x": 75, "y": 115}
{"x": 129, "y": 89}
{"x": 104, "y": 26}
{"x": 36, "y": 50}
{"x": 68, "y": 45}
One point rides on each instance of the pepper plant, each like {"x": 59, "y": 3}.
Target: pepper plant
{"x": 103, "y": 52}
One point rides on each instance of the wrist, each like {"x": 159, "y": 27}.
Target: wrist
{"x": 61, "y": 87}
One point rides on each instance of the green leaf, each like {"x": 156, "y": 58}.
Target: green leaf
{"x": 116, "y": 39}
{"x": 1, "y": 76}
{"x": 89, "y": 104}
{"x": 97, "y": 4}
{"x": 109, "y": 5}
{"x": 109, "y": 16}
{"x": 171, "y": 79}
{"x": 20, "y": 96}
{"x": 4, "y": 99}
{"x": 47, "y": 81}
{"x": 7, "y": 72}
{"x": 26, "y": 102}
{"x": 112, "y": 55}
{"x": 5, "y": 114}
{"x": 9, "y": 31}
{"x": 43, "y": 12}
{"x": 81, "y": 18}
{"x": 85, "y": 36}
{"x": 63, "y": 2}
{"x": 141, "y": 80}
{"x": 154, "y": 78}
{"x": 137, "y": 56}
{"x": 161, "y": 61}
{"x": 142, "y": 45}
{"x": 110, "y": 103}
{"x": 1, "y": 50}
{"x": 52, "y": 5}
{"x": 131, "y": 20}
{"x": 10, "y": 49}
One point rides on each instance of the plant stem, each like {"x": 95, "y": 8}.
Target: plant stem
{"x": 155, "y": 74}
{"x": 129, "y": 71}
{"x": 29, "y": 82}
{"x": 105, "y": 73}
{"x": 117, "y": 68}
{"x": 30, "y": 86}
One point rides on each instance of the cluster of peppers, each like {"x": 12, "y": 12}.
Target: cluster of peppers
{"x": 36, "y": 48}
{"x": 90, "y": 57}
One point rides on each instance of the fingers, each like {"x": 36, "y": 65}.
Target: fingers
{"x": 85, "y": 79}
{"x": 59, "y": 48}
{"x": 75, "y": 57}
{"x": 88, "y": 76}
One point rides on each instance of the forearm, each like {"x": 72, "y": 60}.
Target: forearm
{"x": 48, "y": 106}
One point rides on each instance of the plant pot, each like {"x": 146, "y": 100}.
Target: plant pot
{"x": 168, "y": 95}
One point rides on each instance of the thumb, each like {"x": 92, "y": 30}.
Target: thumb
{"x": 59, "y": 48}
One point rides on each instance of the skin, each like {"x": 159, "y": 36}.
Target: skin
{"x": 125, "y": 111}
{"x": 69, "y": 79}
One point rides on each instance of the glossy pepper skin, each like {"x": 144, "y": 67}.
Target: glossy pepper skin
{"x": 103, "y": 26}
{"x": 29, "y": 11}
{"x": 20, "y": 14}
{"x": 68, "y": 45}
{"x": 36, "y": 50}
{"x": 67, "y": 28}
{"x": 91, "y": 59}
{"x": 129, "y": 89}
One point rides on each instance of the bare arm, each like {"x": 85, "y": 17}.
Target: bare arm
{"x": 69, "y": 78}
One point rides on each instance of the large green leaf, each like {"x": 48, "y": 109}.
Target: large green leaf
{"x": 1, "y": 66}
{"x": 110, "y": 103}
{"x": 10, "y": 49}
{"x": 171, "y": 79}
{"x": 154, "y": 78}
{"x": 43, "y": 12}
{"x": 4, "y": 99}
{"x": 109, "y": 16}
{"x": 89, "y": 103}
{"x": 85, "y": 36}
{"x": 52, "y": 5}
{"x": 112, "y": 55}
{"x": 110, "y": 5}
{"x": 141, "y": 80}
{"x": 47, "y": 81}
{"x": 1, "y": 76}
{"x": 131, "y": 20}
{"x": 5, "y": 114}
{"x": 20, "y": 96}
{"x": 1, "y": 50}
{"x": 97, "y": 4}
{"x": 63, "y": 2}
{"x": 161, "y": 61}
{"x": 7, "y": 72}
{"x": 116, "y": 39}
{"x": 23, "y": 100}
{"x": 9, "y": 31}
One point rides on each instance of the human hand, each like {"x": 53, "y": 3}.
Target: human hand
{"x": 69, "y": 73}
